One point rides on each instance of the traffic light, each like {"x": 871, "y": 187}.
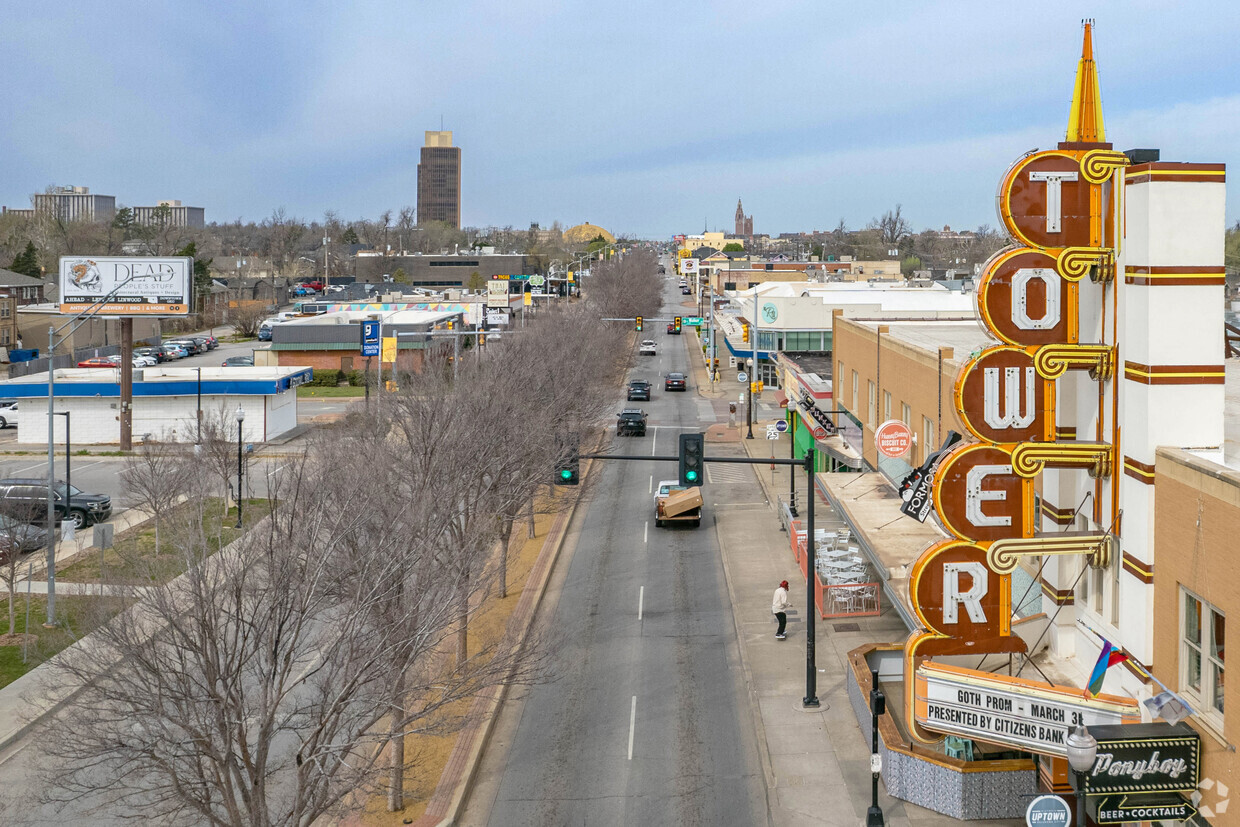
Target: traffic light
{"x": 676, "y": 322}
{"x": 691, "y": 448}
{"x": 566, "y": 473}
{"x": 451, "y": 323}
{"x": 482, "y": 339}
{"x": 744, "y": 332}
{"x": 639, "y": 324}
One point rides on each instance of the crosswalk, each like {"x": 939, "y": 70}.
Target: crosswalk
{"x": 720, "y": 472}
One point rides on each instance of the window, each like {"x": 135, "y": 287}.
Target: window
{"x": 906, "y": 415}
{"x": 886, "y": 405}
{"x": 871, "y": 404}
{"x": 1202, "y": 643}
{"x": 856, "y": 400}
{"x": 928, "y": 439}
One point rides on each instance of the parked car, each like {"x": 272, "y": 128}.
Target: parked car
{"x": 159, "y": 353}
{"x": 175, "y": 351}
{"x": 21, "y": 536}
{"x": 203, "y": 342}
{"x": 639, "y": 389}
{"x": 191, "y": 346}
{"x": 302, "y": 290}
{"x": 212, "y": 342}
{"x": 674, "y": 382}
{"x": 145, "y": 361}
{"x": 239, "y": 362}
{"x": 264, "y": 332}
{"x": 100, "y": 362}
{"x": 8, "y": 414}
{"x": 647, "y": 348}
{"x": 631, "y": 422}
{"x": 25, "y": 499}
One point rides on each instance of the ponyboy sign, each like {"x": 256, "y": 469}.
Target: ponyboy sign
{"x": 1145, "y": 758}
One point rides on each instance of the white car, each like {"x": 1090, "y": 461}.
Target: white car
{"x": 8, "y": 414}
{"x": 145, "y": 361}
{"x": 647, "y": 348}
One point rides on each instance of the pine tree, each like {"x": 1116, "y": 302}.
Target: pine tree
{"x": 27, "y": 262}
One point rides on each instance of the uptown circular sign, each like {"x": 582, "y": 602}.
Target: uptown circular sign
{"x": 1048, "y": 811}
{"x": 893, "y": 439}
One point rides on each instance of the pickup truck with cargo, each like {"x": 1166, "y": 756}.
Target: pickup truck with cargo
{"x": 675, "y": 503}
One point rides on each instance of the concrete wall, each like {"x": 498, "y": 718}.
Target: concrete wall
{"x": 96, "y": 420}
{"x": 1197, "y": 521}
{"x": 907, "y": 373}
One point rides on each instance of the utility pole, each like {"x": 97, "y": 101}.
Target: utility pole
{"x": 126, "y": 369}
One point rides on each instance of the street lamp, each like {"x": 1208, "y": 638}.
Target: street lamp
{"x": 878, "y": 705}
{"x": 1082, "y": 750}
{"x": 240, "y": 419}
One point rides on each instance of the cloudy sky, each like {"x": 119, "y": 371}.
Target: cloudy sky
{"x": 649, "y": 117}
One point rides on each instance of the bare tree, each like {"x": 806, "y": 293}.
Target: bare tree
{"x": 267, "y": 684}
{"x": 247, "y": 318}
{"x": 893, "y": 228}
{"x": 156, "y": 477}
{"x": 18, "y": 534}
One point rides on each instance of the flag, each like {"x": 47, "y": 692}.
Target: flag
{"x": 1108, "y": 657}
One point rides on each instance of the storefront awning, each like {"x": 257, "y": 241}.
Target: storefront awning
{"x": 838, "y": 450}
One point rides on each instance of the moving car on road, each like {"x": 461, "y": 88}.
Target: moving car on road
{"x": 631, "y": 422}
{"x": 639, "y": 390}
{"x": 239, "y": 362}
{"x": 674, "y": 503}
{"x": 674, "y": 382}
{"x": 26, "y": 499}
{"x": 21, "y": 537}
{"x": 647, "y": 348}
{"x": 671, "y": 329}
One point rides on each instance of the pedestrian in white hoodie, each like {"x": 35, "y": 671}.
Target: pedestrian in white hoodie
{"x": 779, "y": 608}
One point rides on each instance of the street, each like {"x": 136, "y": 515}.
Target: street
{"x": 647, "y": 721}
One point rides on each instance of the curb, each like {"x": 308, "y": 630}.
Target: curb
{"x": 444, "y": 814}
{"x": 755, "y": 710}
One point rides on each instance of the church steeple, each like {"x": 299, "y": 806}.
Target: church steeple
{"x": 1085, "y": 119}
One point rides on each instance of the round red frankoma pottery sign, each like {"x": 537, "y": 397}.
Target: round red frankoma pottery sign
{"x": 893, "y": 439}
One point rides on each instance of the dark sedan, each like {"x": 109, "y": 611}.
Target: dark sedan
{"x": 239, "y": 362}
{"x": 674, "y": 382}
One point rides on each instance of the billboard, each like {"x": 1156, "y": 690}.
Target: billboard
{"x": 497, "y": 293}
{"x": 132, "y": 286}
{"x": 688, "y": 266}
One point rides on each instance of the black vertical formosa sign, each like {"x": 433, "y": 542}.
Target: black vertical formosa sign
{"x": 915, "y": 489}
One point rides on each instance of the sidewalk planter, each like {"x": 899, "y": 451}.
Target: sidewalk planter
{"x": 967, "y": 790}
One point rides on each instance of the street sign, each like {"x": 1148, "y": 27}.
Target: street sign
{"x": 389, "y": 350}
{"x": 496, "y": 317}
{"x": 771, "y": 432}
{"x": 781, "y": 425}
{"x": 1048, "y": 811}
{"x": 691, "y": 321}
{"x": 372, "y": 330}
{"x": 742, "y": 377}
{"x": 537, "y": 281}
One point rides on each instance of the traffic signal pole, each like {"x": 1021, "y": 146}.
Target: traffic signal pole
{"x": 810, "y": 701}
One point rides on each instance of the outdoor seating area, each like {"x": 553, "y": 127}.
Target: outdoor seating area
{"x": 845, "y": 583}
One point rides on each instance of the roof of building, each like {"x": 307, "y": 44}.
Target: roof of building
{"x": 894, "y": 297}
{"x": 10, "y": 279}
{"x": 159, "y": 381}
{"x": 392, "y": 317}
{"x": 587, "y": 232}
{"x": 963, "y": 337}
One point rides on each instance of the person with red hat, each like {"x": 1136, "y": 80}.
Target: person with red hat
{"x": 779, "y": 608}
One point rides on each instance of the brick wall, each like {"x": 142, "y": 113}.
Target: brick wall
{"x": 1196, "y": 523}
{"x": 903, "y": 370}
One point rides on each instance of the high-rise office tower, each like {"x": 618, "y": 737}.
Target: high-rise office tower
{"x": 439, "y": 181}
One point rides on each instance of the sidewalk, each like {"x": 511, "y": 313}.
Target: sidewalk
{"x": 814, "y": 760}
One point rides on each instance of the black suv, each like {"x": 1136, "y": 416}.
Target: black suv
{"x": 639, "y": 389}
{"x": 26, "y": 500}
{"x": 631, "y": 422}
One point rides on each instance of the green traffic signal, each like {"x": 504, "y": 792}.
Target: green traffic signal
{"x": 566, "y": 474}
{"x": 691, "y": 476}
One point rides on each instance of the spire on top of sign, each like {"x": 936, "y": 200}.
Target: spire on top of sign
{"x": 1085, "y": 119}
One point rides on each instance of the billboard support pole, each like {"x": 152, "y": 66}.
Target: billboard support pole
{"x": 126, "y": 384}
